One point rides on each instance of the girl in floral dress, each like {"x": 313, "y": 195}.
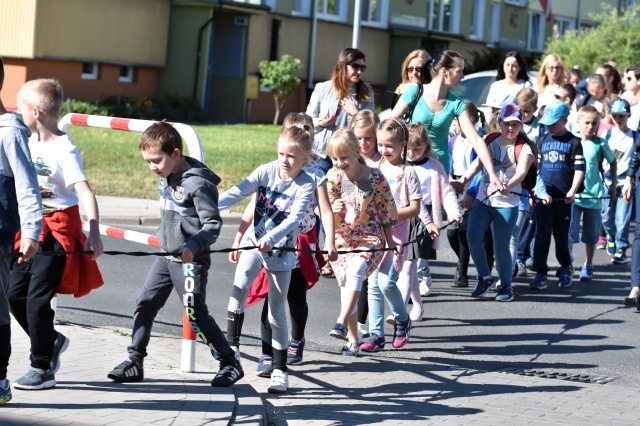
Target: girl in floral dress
{"x": 364, "y": 214}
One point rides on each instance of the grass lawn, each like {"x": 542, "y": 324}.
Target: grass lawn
{"x": 115, "y": 167}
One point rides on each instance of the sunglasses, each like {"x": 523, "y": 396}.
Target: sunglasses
{"x": 629, "y": 78}
{"x": 414, "y": 69}
{"x": 358, "y": 67}
{"x": 552, "y": 68}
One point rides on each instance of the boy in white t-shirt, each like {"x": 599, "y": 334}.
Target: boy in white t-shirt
{"x": 33, "y": 284}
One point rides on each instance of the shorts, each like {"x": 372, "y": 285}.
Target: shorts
{"x": 591, "y": 220}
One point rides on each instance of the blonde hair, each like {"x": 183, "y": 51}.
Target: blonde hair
{"x": 397, "y": 130}
{"x": 364, "y": 118}
{"x": 44, "y": 94}
{"x": 418, "y": 136}
{"x": 344, "y": 142}
{"x": 300, "y": 134}
{"x": 298, "y": 118}
{"x": 427, "y": 66}
{"x": 588, "y": 109}
{"x": 527, "y": 97}
{"x": 543, "y": 79}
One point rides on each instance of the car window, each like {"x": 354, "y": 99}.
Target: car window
{"x": 475, "y": 89}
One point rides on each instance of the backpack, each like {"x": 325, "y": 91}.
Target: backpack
{"x": 529, "y": 181}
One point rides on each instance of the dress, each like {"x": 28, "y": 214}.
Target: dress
{"x": 369, "y": 208}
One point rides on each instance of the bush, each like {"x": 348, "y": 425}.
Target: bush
{"x": 80, "y": 107}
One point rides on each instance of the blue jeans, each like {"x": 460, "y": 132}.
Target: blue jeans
{"x": 385, "y": 285}
{"x": 635, "y": 251}
{"x": 502, "y": 222}
{"x": 616, "y": 218}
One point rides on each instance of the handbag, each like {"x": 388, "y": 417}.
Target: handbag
{"x": 409, "y": 113}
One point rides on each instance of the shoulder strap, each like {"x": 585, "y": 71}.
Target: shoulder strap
{"x": 491, "y": 137}
{"x": 519, "y": 145}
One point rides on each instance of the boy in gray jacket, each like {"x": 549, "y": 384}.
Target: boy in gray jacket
{"x": 190, "y": 224}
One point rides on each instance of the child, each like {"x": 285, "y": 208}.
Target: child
{"x": 606, "y": 121}
{"x": 560, "y": 173}
{"x": 62, "y": 184}
{"x": 436, "y": 194}
{"x": 596, "y": 90}
{"x": 616, "y": 214}
{"x": 19, "y": 198}
{"x": 283, "y": 193}
{"x": 392, "y": 135}
{"x": 588, "y": 203}
{"x": 500, "y": 210}
{"x": 364, "y": 213}
{"x": 190, "y": 224}
{"x": 567, "y": 94}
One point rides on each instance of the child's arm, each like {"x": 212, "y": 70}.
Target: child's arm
{"x": 85, "y": 194}
{"x": 540, "y": 190}
{"x": 243, "y": 189}
{"x": 247, "y": 217}
{"x": 578, "y": 175}
{"x": 613, "y": 191}
{"x": 473, "y": 170}
{"x": 449, "y": 199}
{"x": 326, "y": 214}
{"x": 412, "y": 210}
{"x": 480, "y": 148}
{"x": 205, "y": 202}
{"x": 521, "y": 171}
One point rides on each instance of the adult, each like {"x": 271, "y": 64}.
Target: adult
{"x": 611, "y": 78}
{"x": 415, "y": 70}
{"x": 437, "y": 107}
{"x": 629, "y": 191}
{"x": 334, "y": 102}
{"x": 632, "y": 84}
{"x": 512, "y": 77}
{"x": 552, "y": 74}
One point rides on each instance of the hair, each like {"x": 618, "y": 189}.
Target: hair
{"x": 364, "y": 118}
{"x": 299, "y": 133}
{"x": 446, "y": 60}
{"x": 398, "y": 131}
{"x": 45, "y": 94}
{"x": 419, "y": 136}
{"x": 611, "y": 71}
{"x": 294, "y": 118}
{"x": 635, "y": 69}
{"x": 543, "y": 80}
{"x": 606, "y": 103}
{"x": 527, "y": 97}
{"x": 1, "y": 73}
{"x": 427, "y": 66}
{"x": 163, "y": 136}
{"x": 339, "y": 75}
{"x": 571, "y": 91}
{"x": 522, "y": 74}
{"x": 588, "y": 109}
{"x": 475, "y": 113}
{"x": 596, "y": 79}
{"x": 576, "y": 71}
{"x": 494, "y": 123}
{"x": 344, "y": 142}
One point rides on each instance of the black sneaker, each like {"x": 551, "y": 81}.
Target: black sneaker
{"x": 61, "y": 344}
{"x": 128, "y": 371}
{"x": 482, "y": 287}
{"x": 228, "y": 375}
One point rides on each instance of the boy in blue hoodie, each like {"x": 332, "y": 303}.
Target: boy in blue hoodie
{"x": 20, "y": 208}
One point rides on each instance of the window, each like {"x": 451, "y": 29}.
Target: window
{"x": 445, "y": 15}
{"x": 494, "y": 35}
{"x": 333, "y": 10}
{"x": 561, "y": 26}
{"x": 375, "y": 13}
{"x": 126, "y": 74}
{"x": 301, "y": 7}
{"x": 477, "y": 19}
{"x": 521, "y": 3}
{"x": 89, "y": 71}
{"x": 535, "y": 33}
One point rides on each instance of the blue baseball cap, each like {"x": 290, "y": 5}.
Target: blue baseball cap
{"x": 555, "y": 111}
{"x": 620, "y": 107}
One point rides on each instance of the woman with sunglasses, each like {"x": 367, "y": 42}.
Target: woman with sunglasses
{"x": 552, "y": 74}
{"x": 512, "y": 76}
{"x": 416, "y": 69}
{"x": 334, "y": 102}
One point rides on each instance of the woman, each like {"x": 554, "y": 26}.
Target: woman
{"x": 512, "y": 76}
{"x": 552, "y": 74}
{"x": 438, "y": 107}
{"x": 334, "y": 102}
{"x": 416, "y": 68}
{"x": 611, "y": 77}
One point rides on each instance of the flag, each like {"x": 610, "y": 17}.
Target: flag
{"x": 546, "y": 7}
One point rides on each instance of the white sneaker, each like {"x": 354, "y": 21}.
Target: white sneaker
{"x": 497, "y": 286}
{"x": 236, "y": 350}
{"x": 279, "y": 382}
{"x": 425, "y": 285}
{"x": 416, "y": 313}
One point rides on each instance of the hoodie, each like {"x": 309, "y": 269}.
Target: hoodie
{"x": 189, "y": 209}
{"x": 20, "y": 203}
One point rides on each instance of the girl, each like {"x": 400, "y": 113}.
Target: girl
{"x": 500, "y": 210}
{"x": 392, "y": 138}
{"x": 364, "y": 213}
{"x": 283, "y": 193}
{"x": 436, "y": 191}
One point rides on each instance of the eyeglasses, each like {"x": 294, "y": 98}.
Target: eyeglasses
{"x": 414, "y": 69}
{"x": 628, "y": 78}
{"x": 554, "y": 68}
{"x": 358, "y": 67}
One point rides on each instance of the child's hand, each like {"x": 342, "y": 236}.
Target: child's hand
{"x": 456, "y": 219}
{"x": 496, "y": 183}
{"x": 433, "y": 230}
{"x": 233, "y": 255}
{"x": 332, "y": 253}
{"x": 28, "y": 248}
{"x": 569, "y": 198}
{"x": 263, "y": 246}
{"x": 627, "y": 190}
{"x": 94, "y": 243}
{"x": 467, "y": 202}
{"x": 338, "y": 206}
{"x": 186, "y": 255}
{"x": 546, "y": 200}
{"x": 457, "y": 185}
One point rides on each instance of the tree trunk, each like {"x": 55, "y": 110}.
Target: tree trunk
{"x": 275, "y": 119}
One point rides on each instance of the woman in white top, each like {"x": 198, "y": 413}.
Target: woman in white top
{"x": 512, "y": 76}
{"x": 552, "y": 74}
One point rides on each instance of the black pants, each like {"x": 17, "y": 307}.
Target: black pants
{"x": 5, "y": 318}
{"x": 31, "y": 287}
{"x": 555, "y": 219}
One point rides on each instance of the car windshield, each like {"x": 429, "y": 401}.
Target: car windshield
{"x": 475, "y": 89}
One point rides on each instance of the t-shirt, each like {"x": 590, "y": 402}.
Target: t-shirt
{"x": 424, "y": 171}
{"x": 437, "y": 124}
{"x": 373, "y": 162}
{"x": 59, "y": 167}
{"x": 505, "y": 166}
{"x": 556, "y": 165}
{"x": 534, "y": 129}
{"x": 499, "y": 91}
{"x": 621, "y": 145}
{"x": 593, "y": 187}
{"x": 461, "y": 155}
{"x": 308, "y": 221}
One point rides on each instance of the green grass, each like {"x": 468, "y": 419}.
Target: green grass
{"x": 115, "y": 167}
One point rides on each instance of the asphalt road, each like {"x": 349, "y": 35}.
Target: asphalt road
{"x": 584, "y": 329}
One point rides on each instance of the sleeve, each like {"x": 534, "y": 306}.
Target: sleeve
{"x": 540, "y": 189}
{"x": 474, "y": 186}
{"x": 458, "y": 106}
{"x": 449, "y": 198}
{"x": 241, "y": 191}
{"x": 577, "y": 156}
{"x": 413, "y": 184}
{"x": 607, "y": 154}
{"x": 332, "y": 188}
{"x": 493, "y": 93}
{"x": 369, "y": 105}
{"x": 409, "y": 93}
{"x": 71, "y": 165}
{"x": 313, "y": 109}
{"x": 634, "y": 162}
{"x": 386, "y": 206}
{"x": 205, "y": 201}
{"x": 298, "y": 209}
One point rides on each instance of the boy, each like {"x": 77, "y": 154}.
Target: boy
{"x": 190, "y": 224}
{"x": 19, "y": 198}
{"x": 616, "y": 213}
{"x": 62, "y": 183}
{"x": 596, "y": 90}
{"x": 567, "y": 94}
{"x": 589, "y": 202}
{"x": 560, "y": 172}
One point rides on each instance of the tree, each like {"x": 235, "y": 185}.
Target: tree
{"x": 616, "y": 38}
{"x": 280, "y": 77}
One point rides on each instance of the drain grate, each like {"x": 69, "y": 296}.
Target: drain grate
{"x": 575, "y": 377}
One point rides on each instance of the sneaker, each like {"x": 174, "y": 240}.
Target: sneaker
{"x": 339, "y": 331}
{"x": 611, "y": 245}
{"x": 425, "y": 285}
{"x": 620, "y": 257}
{"x": 374, "y": 344}
{"x": 401, "y": 333}
{"x": 228, "y": 375}
{"x": 294, "y": 353}
{"x": 34, "y": 379}
{"x": 128, "y": 371}
{"x": 522, "y": 269}
{"x": 5, "y": 391}
{"x": 505, "y": 294}
{"x": 602, "y": 243}
{"x": 539, "y": 282}
{"x": 279, "y": 382}
{"x": 586, "y": 273}
{"x": 265, "y": 366}
{"x": 416, "y": 313}
{"x": 351, "y": 349}
{"x": 60, "y": 345}
{"x": 529, "y": 263}
{"x": 498, "y": 286}
{"x": 566, "y": 277}
{"x": 460, "y": 282}
{"x": 482, "y": 287}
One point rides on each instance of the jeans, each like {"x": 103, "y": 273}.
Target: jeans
{"x": 502, "y": 222}
{"x": 515, "y": 236}
{"x": 527, "y": 236}
{"x": 385, "y": 285}
{"x": 616, "y": 218}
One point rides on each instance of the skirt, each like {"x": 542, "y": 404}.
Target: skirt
{"x": 420, "y": 249}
